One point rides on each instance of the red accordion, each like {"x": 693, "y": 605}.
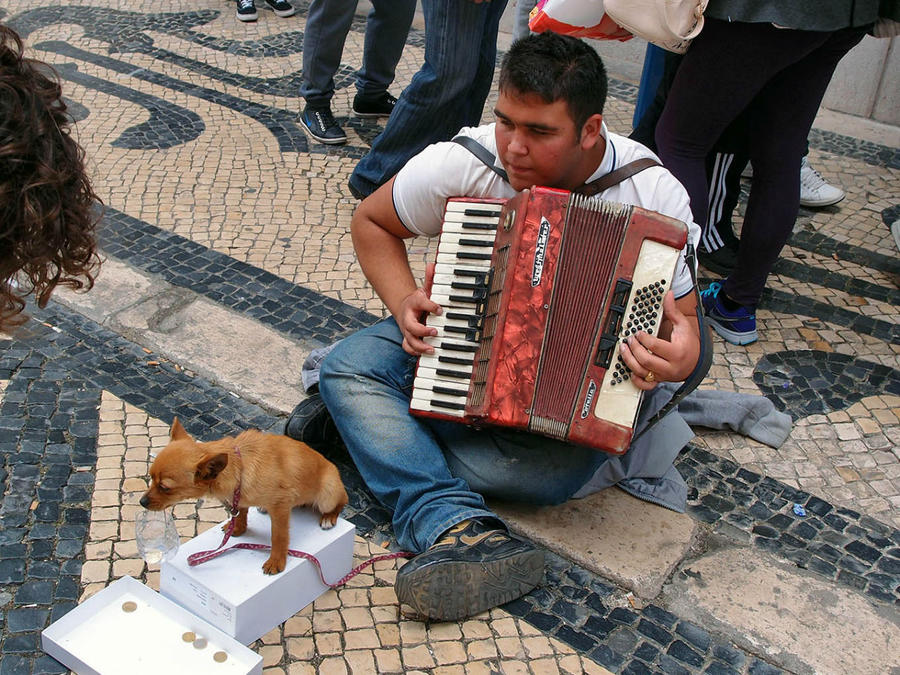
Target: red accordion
{"x": 538, "y": 292}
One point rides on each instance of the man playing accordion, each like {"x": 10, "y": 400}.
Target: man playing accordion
{"x": 433, "y": 474}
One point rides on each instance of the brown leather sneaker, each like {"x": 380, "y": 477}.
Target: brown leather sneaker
{"x": 473, "y": 567}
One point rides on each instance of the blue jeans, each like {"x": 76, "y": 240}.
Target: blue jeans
{"x": 432, "y": 474}
{"x": 446, "y": 94}
{"x": 327, "y": 25}
{"x": 520, "y": 23}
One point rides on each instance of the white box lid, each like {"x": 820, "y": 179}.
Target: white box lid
{"x": 129, "y": 628}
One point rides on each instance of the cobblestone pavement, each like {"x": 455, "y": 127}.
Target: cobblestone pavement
{"x": 189, "y": 118}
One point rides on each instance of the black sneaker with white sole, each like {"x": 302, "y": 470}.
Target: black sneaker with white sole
{"x": 246, "y": 10}
{"x": 475, "y": 565}
{"x": 281, "y": 7}
{"x": 320, "y": 124}
{"x": 377, "y": 106}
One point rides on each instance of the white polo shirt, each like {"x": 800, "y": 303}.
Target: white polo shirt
{"x": 447, "y": 169}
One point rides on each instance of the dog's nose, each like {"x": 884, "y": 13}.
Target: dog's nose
{"x": 145, "y": 501}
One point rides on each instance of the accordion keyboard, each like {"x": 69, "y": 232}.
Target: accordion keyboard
{"x": 461, "y": 282}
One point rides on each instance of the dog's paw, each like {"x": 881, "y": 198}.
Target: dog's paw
{"x": 237, "y": 531}
{"x": 272, "y": 566}
{"x": 327, "y": 522}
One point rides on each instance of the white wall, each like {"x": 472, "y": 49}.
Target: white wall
{"x": 867, "y": 81}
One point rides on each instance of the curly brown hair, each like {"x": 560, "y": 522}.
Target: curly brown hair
{"x": 48, "y": 213}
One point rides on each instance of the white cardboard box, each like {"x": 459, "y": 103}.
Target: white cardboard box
{"x": 128, "y": 628}
{"x": 233, "y": 593}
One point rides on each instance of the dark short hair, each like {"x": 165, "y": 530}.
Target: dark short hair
{"x": 48, "y": 209}
{"x": 557, "y": 67}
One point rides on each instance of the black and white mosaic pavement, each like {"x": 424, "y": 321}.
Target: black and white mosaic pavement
{"x": 48, "y": 418}
{"x": 57, "y": 367}
{"x": 59, "y": 363}
{"x": 126, "y": 32}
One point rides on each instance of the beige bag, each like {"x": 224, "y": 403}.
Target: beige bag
{"x": 670, "y": 24}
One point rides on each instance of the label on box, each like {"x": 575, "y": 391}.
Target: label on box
{"x": 214, "y": 606}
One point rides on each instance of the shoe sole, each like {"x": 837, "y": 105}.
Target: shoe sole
{"x": 821, "y": 203}
{"x": 309, "y": 417}
{"x": 282, "y": 12}
{"x": 319, "y": 139}
{"x": 371, "y": 116}
{"x": 453, "y": 590}
{"x": 247, "y": 17}
{"x": 731, "y": 336}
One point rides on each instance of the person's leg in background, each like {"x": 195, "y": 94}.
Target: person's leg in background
{"x": 472, "y": 107}
{"x": 725, "y": 72}
{"x": 718, "y": 250}
{"x": 520, "y": 22}
{"x": 438, "y": 100}
{"x": 727, "y": 65}
{"x": 327, "y": 25}
{"x": 659, "y": 73}
{"x": 781, "y": 118}
{"x": 815, "y": 191}
{"x": 725, "y": 164}
{"x": 387, "y": 28}
{"x": 718, "y": 244}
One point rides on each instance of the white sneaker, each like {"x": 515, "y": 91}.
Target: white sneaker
{"x": 814, "y": 190}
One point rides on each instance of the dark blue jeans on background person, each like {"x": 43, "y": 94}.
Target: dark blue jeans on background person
{"x": 779, "y": 76}
{"x": 652, "y": 75}
{"x": 327, "y": 25}
{"x": 446, "y": 94}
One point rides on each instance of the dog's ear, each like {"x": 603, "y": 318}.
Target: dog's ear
{"x": 210, "y": 467}
{"x": 177, "y": 432}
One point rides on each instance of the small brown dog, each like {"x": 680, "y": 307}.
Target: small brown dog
{"x": 273, "y": 472}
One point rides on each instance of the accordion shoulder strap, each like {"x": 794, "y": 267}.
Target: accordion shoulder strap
{"x": 588, "y": 189}
{"x": 481, "y": 153}
{"x": 617, "y": 176}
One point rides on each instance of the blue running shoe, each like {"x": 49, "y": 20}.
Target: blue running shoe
{"x": 738, "y": 327}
